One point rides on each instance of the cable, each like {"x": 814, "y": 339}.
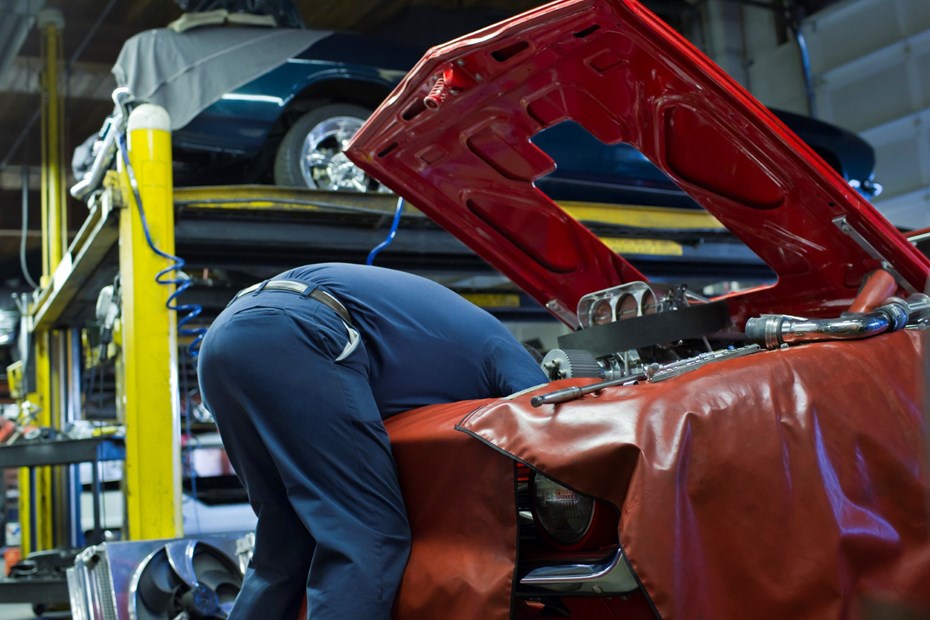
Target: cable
{"x": 806, "y": 71}
{"x": 391, "y": 234}
{"x": 181, "y": 280}
{"x": 25, "y": 230}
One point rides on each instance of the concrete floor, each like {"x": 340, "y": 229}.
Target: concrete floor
{"x": 16, "y": 612}
{"x": 24, "y": 612}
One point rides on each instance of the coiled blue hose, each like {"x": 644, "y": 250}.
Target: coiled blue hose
{"x": 180, "y": 280}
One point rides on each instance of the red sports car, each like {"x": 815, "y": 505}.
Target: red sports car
{"x": 757, "y": 455}
{"x": 761, "y": 454}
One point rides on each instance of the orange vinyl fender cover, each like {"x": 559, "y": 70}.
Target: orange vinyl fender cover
{"x": 461, "y": 506}
{"x": 786, "y": 484}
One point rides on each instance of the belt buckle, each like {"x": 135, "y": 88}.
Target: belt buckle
{"x": 255, "y": 288}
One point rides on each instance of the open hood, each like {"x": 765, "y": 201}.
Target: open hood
{"x": 455, "y": 138}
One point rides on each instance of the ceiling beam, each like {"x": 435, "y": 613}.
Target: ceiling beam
{"x": 16, "y": 20}
{"x": 11, "y": 178}
{"x": 85, "y": 80}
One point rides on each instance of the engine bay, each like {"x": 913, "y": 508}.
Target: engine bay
{"x": 641, "y": 331}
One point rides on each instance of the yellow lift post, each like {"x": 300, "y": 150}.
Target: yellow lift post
{"x": 54, "y": 242}
{"x": 147, "y": 387}
{"x": 152, "y": 476}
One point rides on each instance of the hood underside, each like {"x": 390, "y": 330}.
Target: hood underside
{"x": 455, "y": 138}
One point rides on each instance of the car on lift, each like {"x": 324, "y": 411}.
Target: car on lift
{"x": 279, "y": 105}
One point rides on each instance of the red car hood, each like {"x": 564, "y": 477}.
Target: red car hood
{"x": 468, "y": 162}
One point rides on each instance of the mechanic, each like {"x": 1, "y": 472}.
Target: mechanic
{"x": 299, "y": 372}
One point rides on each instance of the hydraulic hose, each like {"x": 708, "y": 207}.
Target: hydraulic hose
{"x": 774, "y": 330}
{"x": 391, "y": 234}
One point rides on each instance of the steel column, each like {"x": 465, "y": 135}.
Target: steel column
{"x": 54, "y": 242}
{"x": 36, "y": 526}
{"x": 54, "y": 215}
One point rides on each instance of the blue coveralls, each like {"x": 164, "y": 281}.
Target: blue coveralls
{"x": 299, "y": 404}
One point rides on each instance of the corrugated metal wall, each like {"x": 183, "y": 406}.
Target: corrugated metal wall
{"x": 870, "y": 61}
{"x": 871, "y": 66}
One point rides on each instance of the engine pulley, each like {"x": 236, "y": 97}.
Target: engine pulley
{"x": 570, "y": 363}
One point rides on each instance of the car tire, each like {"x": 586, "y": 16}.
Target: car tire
{"x": 312, "y": 151}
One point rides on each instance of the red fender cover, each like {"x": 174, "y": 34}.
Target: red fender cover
{"x": 787, "y": 484}
{"x": 461, "y": 505}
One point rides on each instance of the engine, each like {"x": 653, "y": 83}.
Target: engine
{"x": 629, "y": 329}
{"x": 641, "y": 331}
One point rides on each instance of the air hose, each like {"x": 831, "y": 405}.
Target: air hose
{"x": 391, "y": 234}
{"x": 173, "y": 273}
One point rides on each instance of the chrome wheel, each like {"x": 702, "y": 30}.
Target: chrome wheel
{"x": 323, "y": 162}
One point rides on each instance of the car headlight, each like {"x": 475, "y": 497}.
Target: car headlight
{"x": 563, "y": 514}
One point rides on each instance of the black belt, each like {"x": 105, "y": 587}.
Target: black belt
{"x": 643, "y": 331}
{"x": 304, "y": 290}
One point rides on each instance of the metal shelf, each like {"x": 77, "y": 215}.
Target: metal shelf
{"x": 61, "y": 452}
{"x": 253, "y": 232}
{"x": 52, "y": 590}
{"x": 42, "y": 591}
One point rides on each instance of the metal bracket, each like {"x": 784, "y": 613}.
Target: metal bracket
{"x": 560, "y": 310}
{"x": 656, "y": 372}
{"x": 848, "y": 229}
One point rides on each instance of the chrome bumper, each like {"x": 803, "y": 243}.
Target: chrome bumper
{"x": 611, "y": 575}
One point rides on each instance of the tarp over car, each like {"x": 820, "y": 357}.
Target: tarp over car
{"x": 788, "y": 484}
{"x": 460, "y": 502}
{"x": 186, "y": 72}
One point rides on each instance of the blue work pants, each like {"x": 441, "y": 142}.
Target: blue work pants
{"x": 306, "y": 438}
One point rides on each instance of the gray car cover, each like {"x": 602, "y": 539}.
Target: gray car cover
{"x": 187, "y": 72}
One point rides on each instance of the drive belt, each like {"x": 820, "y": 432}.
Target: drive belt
{"x": 643, "y": 331}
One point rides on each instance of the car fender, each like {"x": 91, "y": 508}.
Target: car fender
{"x": 242, "y": 121}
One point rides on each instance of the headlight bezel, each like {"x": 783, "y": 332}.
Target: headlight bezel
{"x": 579, "y": 535}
